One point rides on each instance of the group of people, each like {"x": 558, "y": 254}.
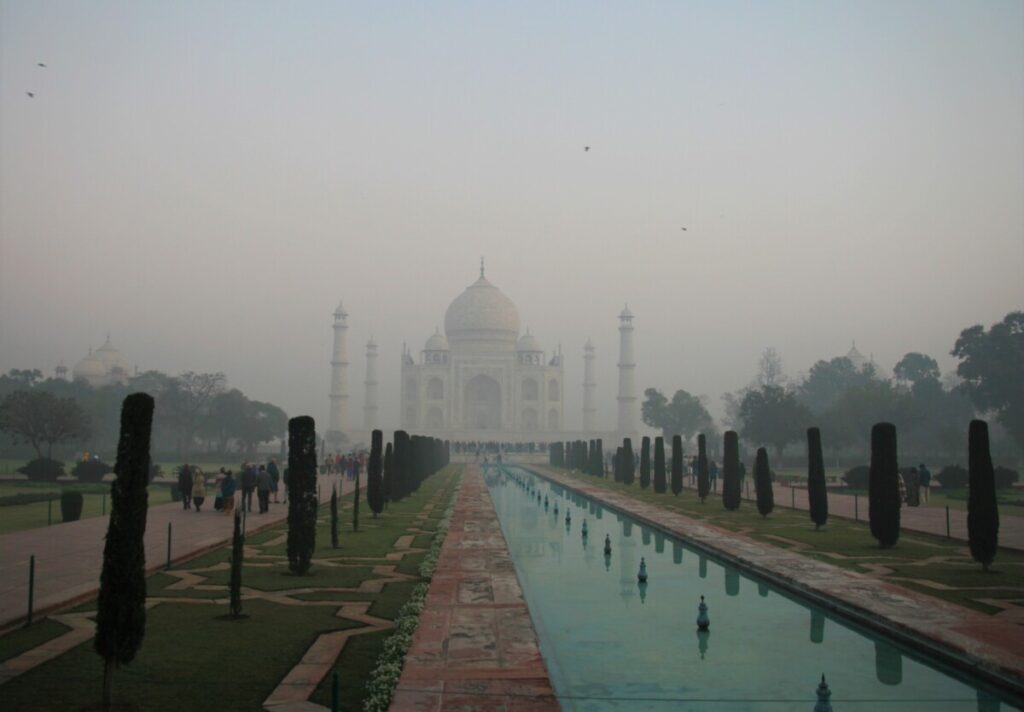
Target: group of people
{"x": 263, "y": 480}
{"x": 348, "y": 465}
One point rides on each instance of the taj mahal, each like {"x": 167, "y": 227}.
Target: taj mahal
{"x": 481, "y": 379}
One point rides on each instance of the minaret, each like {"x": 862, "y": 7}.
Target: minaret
{"x": 339, "y": 377}
{"x": 589, "y": 387}
{"x": 627, "y": 389}
{"x": 370, "y": 402}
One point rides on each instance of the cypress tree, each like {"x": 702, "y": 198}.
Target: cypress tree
{"x": 703, "y": 483}
{"x": 884, "y": 486}
{"x": 237, "y": 552}
{"x": 389, "y": 472}
{"x": 628, "y": 462}
{"x": 817, "y": 494}
{"x": 402, "y": 465}
{"x": 731, "y": 471}
{"x": 645, "y": 462}
{"x": 763, "y": 483}
{"x": 617, "y": 464}
{"x": 355, "y": 502}
{"x": 121, "y": 606}
{"x": 659, "y": 465}
{"x": 677, "y": 464}
{"x": 301, "y": 493}
{"x": 334, "y": 517}
{"x": 374, "y": 478}
{"x": 599, "y": 465}
{"x": 982, "y": 508}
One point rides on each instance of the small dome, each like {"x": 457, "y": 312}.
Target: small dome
{"x": 112, "y": 360}
{"x": 90, "y": 368}
{"x": 482, "y": 314}
{"x": 528, "y": 342}
{"x": 437, "y": 342}
{"x": 856, "y": 357}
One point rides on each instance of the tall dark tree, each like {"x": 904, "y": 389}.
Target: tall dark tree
{"x": 731, "y": 471}
{"x": 763, "y": 483}
{"x": 121, "y": 606}
{"x": 599, "y": 465}
{"x": 389, "y": 473}
{"x": 982, "y": 509}
{"x": 884, "y": 486}
{"x": 301, "y": 493}
{"x": 355, "y": 502}
{"x": 237, "y": 554}
{"x": 403, "y": 466}
{"x": 703, "y": 483}
{"x": 677, "y": 464}
{"x": 645, "y": 462}
{"x": 334, "y": 517}
{"x": 628, "y": 462}
{"x": 659, "y": 465}
{"x": 817, "y": 493}
{"x": 374, "y": 469}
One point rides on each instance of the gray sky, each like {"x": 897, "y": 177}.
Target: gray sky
{"x": 204, "y": 181}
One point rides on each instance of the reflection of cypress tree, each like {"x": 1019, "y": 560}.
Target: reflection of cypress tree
{"x": 883, "y": 486}
{"x": 645, "y": 536}
{"x": 817, "y": 494}
{"x": 982, "y": 510}
{"x": 986, "y": 702}
{"x": 762, "y": 590}
{"x": 645, "y": 462}
{"x": 732, "y": 582}
{"x": 731, "y": 471}
{"x": 659, "y": 542}
{"x": 703, "y": 483}
{"x": 627, "y": 529}
{"x": 702, "y": 566}
{"x": 817, "y": 626}
{"x": 677, "y": 464}
{"x": 763, "y": 483}
{"x": 659, "y": 465}
{"x": 888, "y": 664}
{"x": 677, "y": 553}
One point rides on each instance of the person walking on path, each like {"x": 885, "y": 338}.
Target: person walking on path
{"x": 275, "y": 477}
{"x": 924, "y": 479}
{"x": 248, "y": 486}
{"x": 227, "y": 490}
{"x": 263, "y": 489}
{"x": 198, "y": 489}
{"x": 185, "y": 485}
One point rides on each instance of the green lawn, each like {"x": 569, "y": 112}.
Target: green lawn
{"x": 918, "y": 557}
{"x": 195, "y": 658}
{"x": 95, "y": 502}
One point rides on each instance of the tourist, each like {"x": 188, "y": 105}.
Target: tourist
{"x": 227, "y": 489}
{"x": 185, "y": 486}
{"x": 713, "y": 475}
{"x": 263, "y": 489}
{"x": 198, "y": 489}
{"x": 218, "y": 497}
{"x": 924, "y": 478}
{"x": 275, "y": 477}
{"x": 248, "y": 486}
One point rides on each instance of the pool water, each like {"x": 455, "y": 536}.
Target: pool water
{"x": 612, "y": 643}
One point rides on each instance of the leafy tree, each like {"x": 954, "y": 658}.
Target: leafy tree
{"x": 685, "y": 414}
{"x": 121, "y": 605}
{"x": 659, "y": 465}
{"x": 374, "y": 484}
{"x": 731, "y": 494}
{"x": 237, "y": 554}
{"x": 763, "y": 483}
{"x": 883, "y": 486}
{"x": 817, "y": 492}
{"x": 645, "y": 462}
{"x": 770, "y": 372}
{"x": 827, "y": 381}
{"x": 186, "y": 402}
{"x": 703, "y": 483}
{"x": 982, "y": 509}
{"x": 773, "y": 415}
{"x": 861, "y": 406}
{"x": 40, "y": 418}
{"x": 992, "y": 367}
{"x": 301, "y": 493}
{"x": 915, "y": 367}
{"x": 677, "y": 464}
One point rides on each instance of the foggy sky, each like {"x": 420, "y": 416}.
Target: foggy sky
{"x": 205, "y": 181}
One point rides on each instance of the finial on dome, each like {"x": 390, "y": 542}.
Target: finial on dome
{"x": 481, "y": 266}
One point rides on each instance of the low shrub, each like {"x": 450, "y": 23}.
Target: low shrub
{"x": 12, "y": 500}
{"x": 43, "y": 469}
{"x": 154, "y": 471}
{"x": 71, "y": 505}
{"x": 952, "y": 477}
{"x": 857, "y": 477}
{"x": 1005, "y": 477}
{"x": 91, "y": 470}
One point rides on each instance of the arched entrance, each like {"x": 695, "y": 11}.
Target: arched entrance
{"x": 482, "y": 407}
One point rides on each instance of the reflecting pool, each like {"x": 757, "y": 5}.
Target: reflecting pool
{"x": 612, "y": 643}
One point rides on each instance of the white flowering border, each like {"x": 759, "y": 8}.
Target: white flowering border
{"x": 384, "y": 678}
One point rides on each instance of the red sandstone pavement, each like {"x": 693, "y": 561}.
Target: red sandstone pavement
{"x": 69, "y": 556}
{"x": 475, "y": 647}
{"x": 988, "y": 645}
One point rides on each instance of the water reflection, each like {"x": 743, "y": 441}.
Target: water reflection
{"x": 888, "y": 664}
{"x": 987, "y": 703}
{"x": 642, "y": 585}
{"x": 645, "y": 536}
{"x": 677, "y": 553}
{"x": 627, "y": 529}
{"x": 702, "y": 566}
{"x": 703, "y": 636}
{"x": 659, "y": 542}
{"x": 762, "y": 590}
{"x": 817, "y": 626}
{"x": 732, "y": 582}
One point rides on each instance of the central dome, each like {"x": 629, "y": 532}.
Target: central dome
{"x": 482, "y": 314}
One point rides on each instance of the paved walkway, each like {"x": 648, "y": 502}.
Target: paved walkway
{"x": 475, "y": 647}
{"x": 69, "y": 556}
{"x": 962, "y": 637}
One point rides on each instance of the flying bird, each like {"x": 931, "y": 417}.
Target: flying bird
{"x": 40, "y": 64}
{"x": 586, "y": 148}
{"x": 684, "y": 229}
{"x": 30, "y": 95}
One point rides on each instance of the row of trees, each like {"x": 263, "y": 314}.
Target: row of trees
{"x": 193, "y": 412}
